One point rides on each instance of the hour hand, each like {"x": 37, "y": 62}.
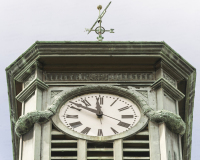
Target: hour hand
{"x": 75, "y": 108}
{"x": 77, "y": 104}
{"x": 86, "y": 108}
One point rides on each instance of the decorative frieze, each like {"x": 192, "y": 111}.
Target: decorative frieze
{"x": 99, "y": 76}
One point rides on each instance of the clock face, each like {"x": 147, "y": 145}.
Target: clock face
{"x": 99, "y": 114}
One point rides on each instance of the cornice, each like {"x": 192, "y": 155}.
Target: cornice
{"x": 174, "y": 67}
{"x": 27, "y": 70}
{"x": 23, "y": 95}
{"x": 22, "y": 56}
{"x": 168, "y": 88}
{"x": 24, "y": 73}
{"x": 105, "y": 49}
{"x": 176, "y": 58}
{"x": 170, "y": 70}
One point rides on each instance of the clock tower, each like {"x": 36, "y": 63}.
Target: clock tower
{"x": 101, "y": 101}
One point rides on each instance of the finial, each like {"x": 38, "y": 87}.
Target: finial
{"x": 99, "y": 7}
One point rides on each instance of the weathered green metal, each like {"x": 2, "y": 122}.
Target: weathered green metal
{"x": 189, "y": 106}
{"x": 100, "y": 30}
{"x": 173, "y": 121}
{"x": 27, "y": 121}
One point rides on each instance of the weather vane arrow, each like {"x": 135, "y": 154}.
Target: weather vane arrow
{"x": 100, "y": 30}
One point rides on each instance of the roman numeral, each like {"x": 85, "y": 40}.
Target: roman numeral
{"x": 72, "y": 116}
{"x": 114, "y": 102}
{"x": 123, "y": 124}
{"x": 100, "y": 133}
{"x": 86, "y": 130}
{"x": 100, "y": 99}
{"x": 124, "y": 108}
{"x": 86, "y": 102}
{"x": 127, "y": 116}
{"x": 115, "y": 132}
{"x": 75, "y": 124}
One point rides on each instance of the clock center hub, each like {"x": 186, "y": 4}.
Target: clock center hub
{"x": 100, "y": 115}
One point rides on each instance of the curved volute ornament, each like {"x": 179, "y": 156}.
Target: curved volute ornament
{"x": 27, "y": 121}
{"x": 173, "y": 122}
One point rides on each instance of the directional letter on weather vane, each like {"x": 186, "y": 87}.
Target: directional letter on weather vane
{"x": 100, "y": 30}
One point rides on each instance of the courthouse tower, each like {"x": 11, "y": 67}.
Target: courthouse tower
{"x": 101, "y": 100}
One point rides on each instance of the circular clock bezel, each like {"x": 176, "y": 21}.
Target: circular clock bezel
{"x": 68, "y": 95}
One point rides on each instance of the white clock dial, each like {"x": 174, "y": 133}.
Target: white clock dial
{"x": 99, "y": 114}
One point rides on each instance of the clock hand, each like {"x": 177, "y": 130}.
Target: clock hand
{"x": 98, "y": 107}
{"x": 112, "y": 117}
{"x": 86, "y": 108}
{"x": 75, "y": 108}
{"x": 100, "y": 120}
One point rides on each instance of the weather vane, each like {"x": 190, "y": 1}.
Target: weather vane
{"x": 100, "y": 30}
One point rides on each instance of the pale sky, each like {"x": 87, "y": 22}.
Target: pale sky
{"x": 23, "y": 22}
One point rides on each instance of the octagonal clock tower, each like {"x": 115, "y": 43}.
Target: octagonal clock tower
{"x": 95, "y": 101}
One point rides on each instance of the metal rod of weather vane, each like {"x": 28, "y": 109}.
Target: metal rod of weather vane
{"x": 100, "y": 27}
{"x": 99, "y": 20}
{"x": 100, "y": 17}
{"x": 104, "y": 11}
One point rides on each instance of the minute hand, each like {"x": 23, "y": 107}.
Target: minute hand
{"x": 112, "y": 117}
{"x": 98, "y": 107}
{"x": 86, "y": 108}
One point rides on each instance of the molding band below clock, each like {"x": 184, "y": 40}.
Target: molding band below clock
{"x": 173, "y": 121}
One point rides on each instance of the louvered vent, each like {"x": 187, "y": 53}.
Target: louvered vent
{"x": 97, "y": 151}
{"x": 62, "y": 146}
{"x": 135, "y": 147}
